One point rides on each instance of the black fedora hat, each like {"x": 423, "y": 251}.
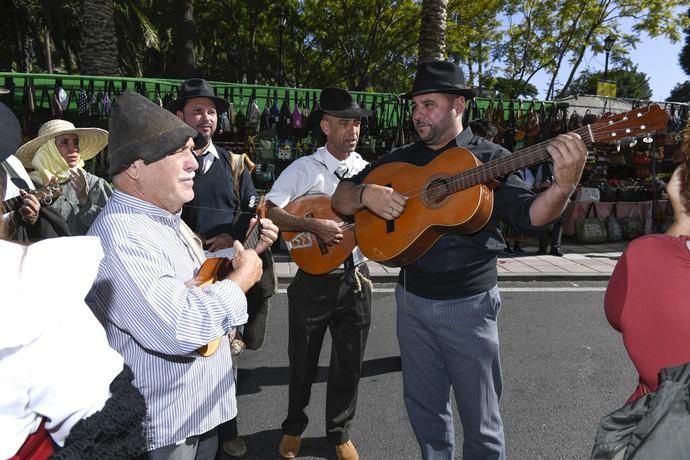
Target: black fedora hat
{"x": 197, "y": 87}
{"x": 439, "y": 77}
{"x": 340, "y": 103}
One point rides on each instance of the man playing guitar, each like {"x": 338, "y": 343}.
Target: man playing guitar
{"x": 447, "y": 297}
{"x": 340, "y": 300}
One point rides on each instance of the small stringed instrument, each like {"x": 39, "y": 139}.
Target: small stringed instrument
{"x": 218, "y": 268}
{"x": 45, "y": 195}
{"x": 451, "y": 193}
{"x": 310, "y": 252}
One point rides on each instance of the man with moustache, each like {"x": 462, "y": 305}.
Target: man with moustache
{"x": 448, "y": 299}
{"x": 339, "y": 301}
{"x": 145, "y": 294}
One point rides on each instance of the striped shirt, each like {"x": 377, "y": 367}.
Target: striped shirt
{"x": 156, "y": 318}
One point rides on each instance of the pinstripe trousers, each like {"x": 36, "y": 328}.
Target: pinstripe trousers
{"x": 448, "y": 344}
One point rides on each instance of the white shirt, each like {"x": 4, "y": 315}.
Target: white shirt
{"x": 55, "y": 361}
{"x": 315, "y": 174}
{"x": 209, "y": 159}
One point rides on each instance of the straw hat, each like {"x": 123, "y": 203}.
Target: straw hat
{"x": 91, "y": 140}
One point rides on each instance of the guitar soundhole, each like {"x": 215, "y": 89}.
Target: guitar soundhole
{"x": 436, "y": 192}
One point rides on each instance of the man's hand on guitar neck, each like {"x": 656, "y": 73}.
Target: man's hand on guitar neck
{"x": 247, "y": 267}
{"x": 29, "y": 208}
{"x": 269, "y": 234}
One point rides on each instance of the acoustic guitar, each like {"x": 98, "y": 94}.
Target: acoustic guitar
{"x": 453, "y": 192}
{"x": 45, "y": 195}
{"x": 307, "y": 250}
{"x": 218, "y": 268}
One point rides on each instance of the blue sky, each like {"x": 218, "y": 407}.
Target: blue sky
{"x": 657, "y": 57}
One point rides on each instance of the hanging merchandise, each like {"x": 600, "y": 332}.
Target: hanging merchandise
{"x": 265, "y": 119}
{"x": 82, "y": 101}
{"x": 499, "y": 121}
{"x": 157, "y": 95}
{"x": 29, "y": 98}
{"x": 106, "y": 103}
{"x": 285, "y": 149}
{"x": 314, "y": 116}
{"x": 93, "y": 100}
{"x": 275, "y": 112}
{"x": 285, "y": 118}
{"x": 297, "y": 119}
{"x": 60, "y": 100}
{"x": 240, "y": 120}
{"x": 232, "y": 113}
{"x": 373, "y": 121}
{"x": 253, "y": 114}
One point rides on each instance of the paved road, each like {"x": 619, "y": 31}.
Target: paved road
{"x": 564, "y": 368}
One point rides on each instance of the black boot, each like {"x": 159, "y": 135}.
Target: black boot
{"x": 556, "y": 251}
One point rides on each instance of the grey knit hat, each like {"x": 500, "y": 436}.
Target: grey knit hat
{"x": 10, "y": 132}
{"x": 141, "y": 129}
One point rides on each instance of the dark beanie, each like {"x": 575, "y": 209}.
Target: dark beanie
{"x": 141, "y": 129}
{"x": 10, "y": 132}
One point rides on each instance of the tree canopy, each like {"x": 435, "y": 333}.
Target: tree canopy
{"x": 360, "y": 44}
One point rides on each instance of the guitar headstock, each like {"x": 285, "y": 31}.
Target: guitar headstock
{"x": 641, "y": 122}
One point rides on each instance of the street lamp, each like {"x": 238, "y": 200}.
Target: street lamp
{"x": 282, "y": 22}
{"x": 608, "y": 46}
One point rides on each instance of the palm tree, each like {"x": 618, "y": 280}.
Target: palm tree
{"x": 99, "y": 53}
{"x": 432, "y": 34}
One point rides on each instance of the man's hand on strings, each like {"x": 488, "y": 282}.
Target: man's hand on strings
{"x": 329, "y": 231}
{"x": 383, "y": 201}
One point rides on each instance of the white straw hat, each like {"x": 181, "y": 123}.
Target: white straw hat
{"x": 91, "y": 140}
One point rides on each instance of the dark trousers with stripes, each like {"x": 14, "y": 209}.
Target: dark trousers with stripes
{"x": 340, "y": 303}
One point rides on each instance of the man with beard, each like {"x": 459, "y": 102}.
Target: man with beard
{"x": 224, "y": 202}
{"x": 448, "y": 299}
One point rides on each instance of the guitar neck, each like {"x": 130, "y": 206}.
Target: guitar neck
{"x": 10, "y": 204}
{"x": 500, "y": 167}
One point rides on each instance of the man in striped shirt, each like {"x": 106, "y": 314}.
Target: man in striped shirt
{"x": 145, "y": 294}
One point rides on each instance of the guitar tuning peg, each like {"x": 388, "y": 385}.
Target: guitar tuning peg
{"x": 647, "y": 139}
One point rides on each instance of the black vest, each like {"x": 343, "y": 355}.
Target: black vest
{"x": 213, "y": 209}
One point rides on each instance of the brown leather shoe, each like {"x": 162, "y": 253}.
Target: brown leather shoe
{"x": 289, "y": 446}
{"x": 346, "y": 451}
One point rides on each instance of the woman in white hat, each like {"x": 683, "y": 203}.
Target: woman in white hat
{"x": 58, "y": 154}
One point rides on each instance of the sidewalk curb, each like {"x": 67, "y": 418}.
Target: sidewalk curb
{"x": 502, "y": 277}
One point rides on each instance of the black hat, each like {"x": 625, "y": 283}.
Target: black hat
{"x": 10, "y": 132}
{"x": 439, "y": 77}
{"x": 340, "y": 103}
{"x": 141, "y": 129}
{"x": 197, "y": 87}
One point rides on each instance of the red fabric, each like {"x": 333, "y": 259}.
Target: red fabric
{"x": 38, "y": 446}
{"x": 648, "y": 301}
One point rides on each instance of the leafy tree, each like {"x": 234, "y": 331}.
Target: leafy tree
{"x": 629, "y": 83}
{"x": 680, "y": 92}
{"x": 514, "y": 89}
{"x": 552, "y": 34}
{"x": 684, "y": 58}
{"x": 98, "y": 54}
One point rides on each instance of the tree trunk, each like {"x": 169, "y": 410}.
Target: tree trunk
{"x": 98, "y": 53}
{"x": 432, "y": 33}
{"x": 184, "y": 39}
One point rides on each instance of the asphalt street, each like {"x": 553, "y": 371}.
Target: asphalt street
{"x": 564, "y": 368}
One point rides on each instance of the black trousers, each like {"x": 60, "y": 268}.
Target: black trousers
{"x": 340, "y": 303}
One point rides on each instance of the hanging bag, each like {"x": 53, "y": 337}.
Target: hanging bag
{"x": 632, "y": 226}
{"x": 590, "y": 229}
{"x": 613, "y": 226}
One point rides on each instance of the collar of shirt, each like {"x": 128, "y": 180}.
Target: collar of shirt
{"x": 145, "y": 207}
{"x": 208, "y": 159}
{"x": 331, "y": 162}
{"x": 463, "y": 139}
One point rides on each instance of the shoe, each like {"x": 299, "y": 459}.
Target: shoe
{"x": 346, "y": 451}
{"x": 289, "y": 446}
{"x": 541, "y": 252}
{"x": 235, "y": 447}
{"x": 556, "y": 252}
